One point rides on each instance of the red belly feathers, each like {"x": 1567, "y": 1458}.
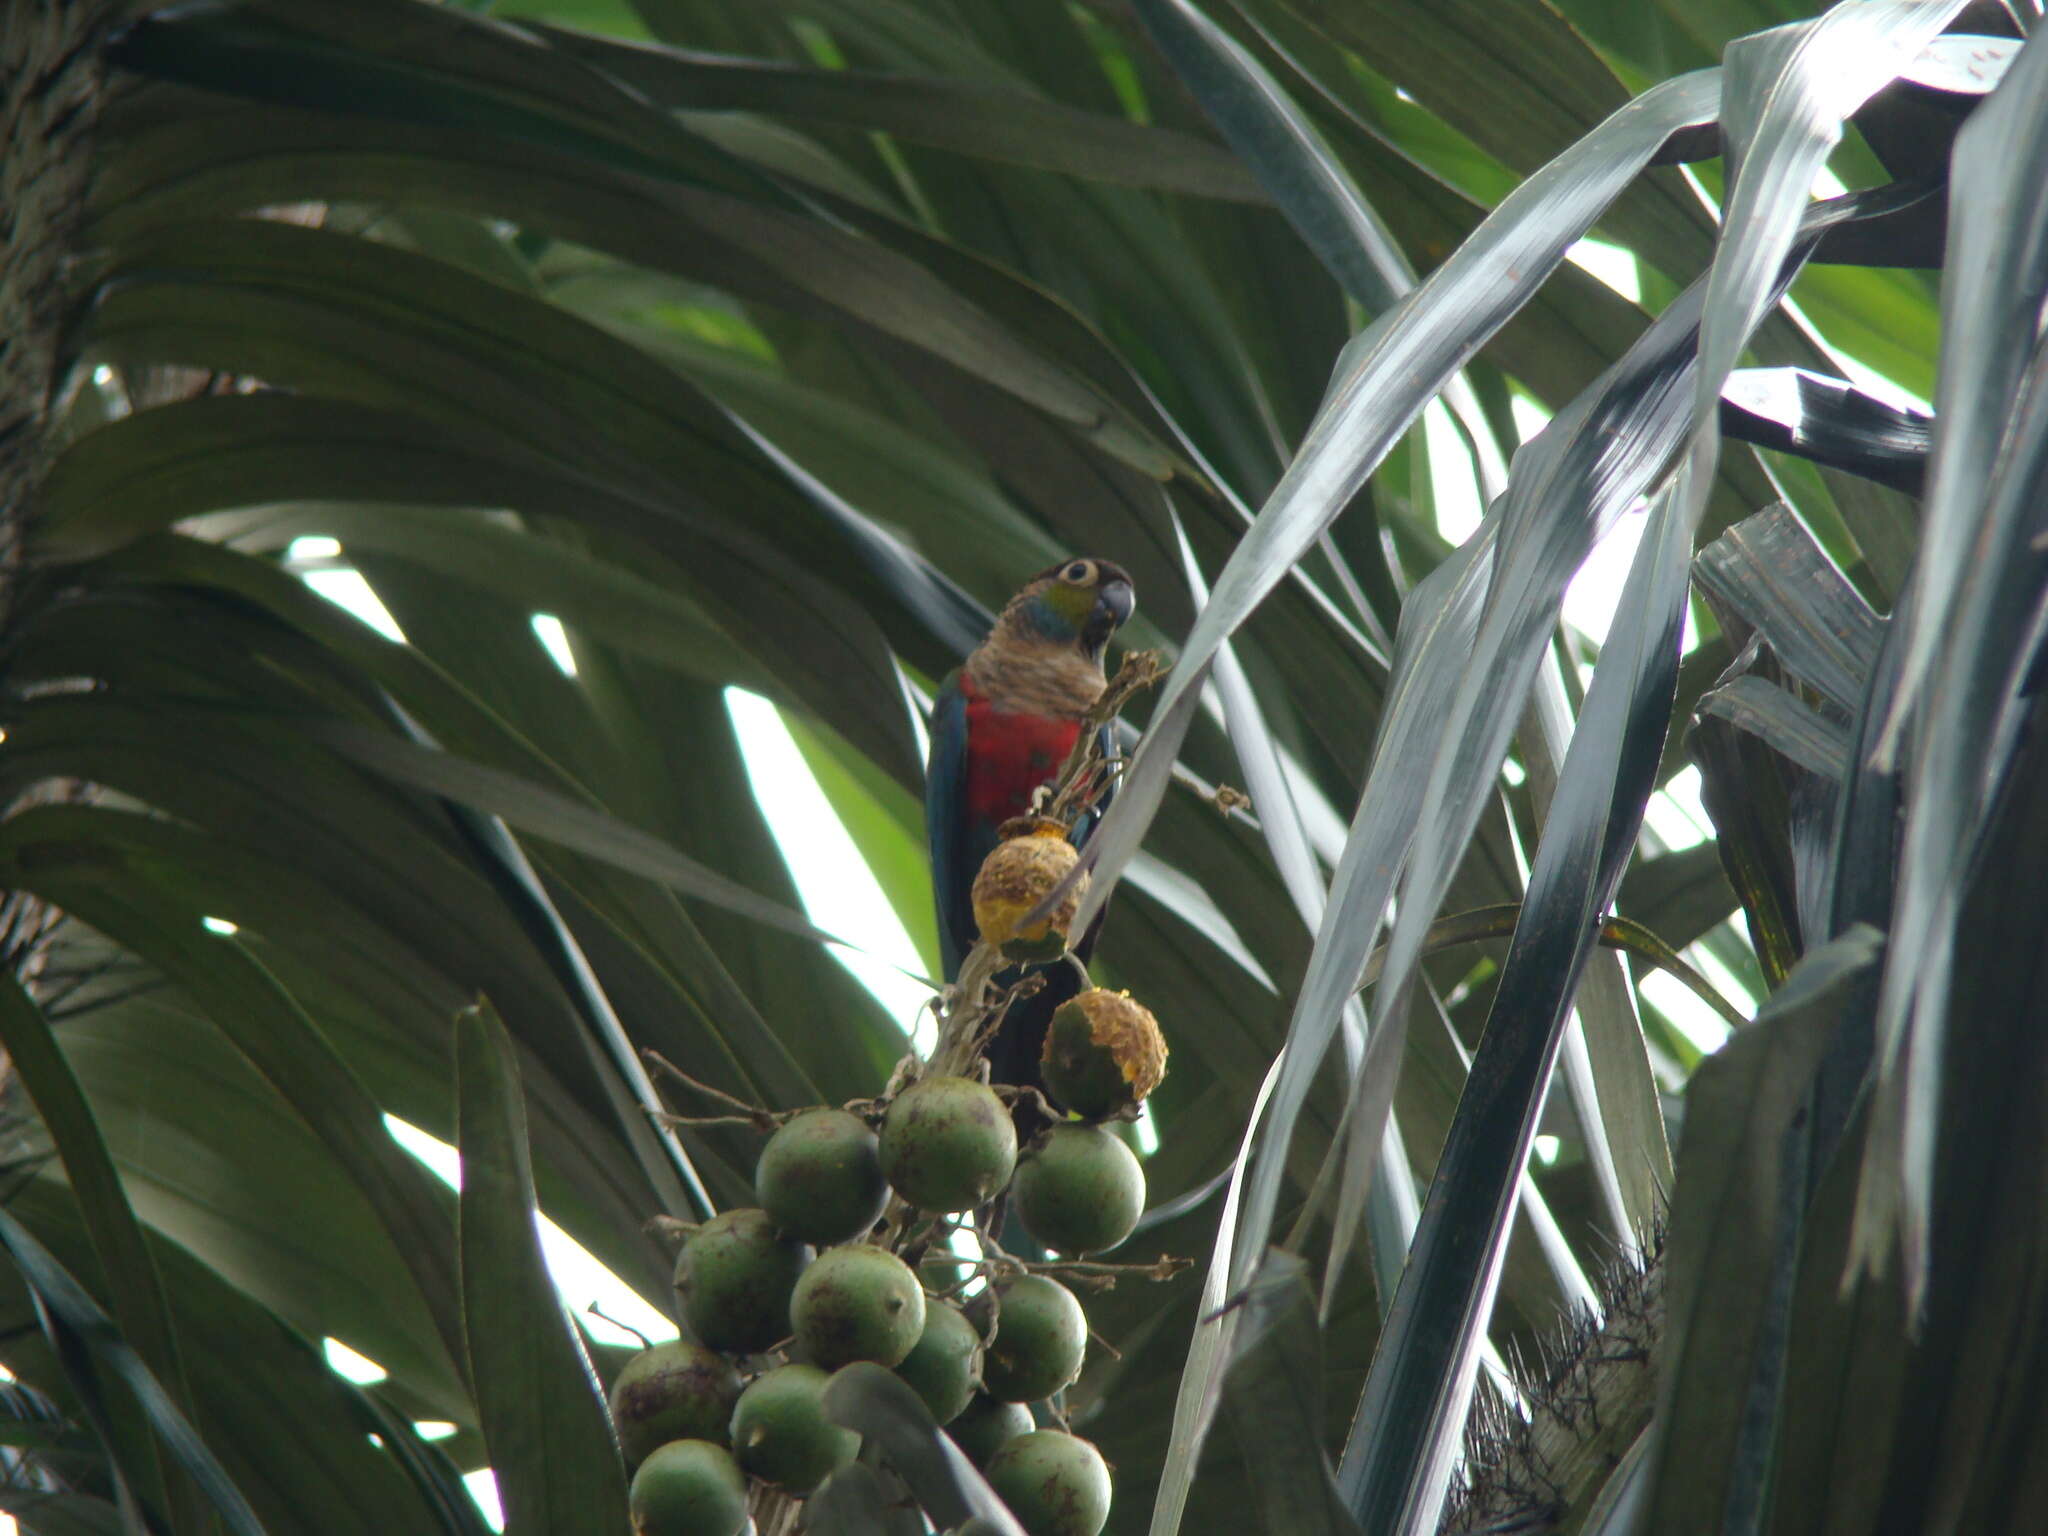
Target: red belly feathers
{"x": 1009, "y": 756}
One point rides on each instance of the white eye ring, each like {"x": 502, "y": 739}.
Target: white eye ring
{"x": 1079, "y": 573}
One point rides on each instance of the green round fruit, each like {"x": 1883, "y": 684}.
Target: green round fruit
{"x": 734, "y": 1277}
{"x": 1055, "y": 1484}
{"x": 1103, "y": 1053}
{"x": 1079, "y": 1190}
{"x": 857, "y": 1303}
{"x": 780, "y": 1433}
{"x": 1041, "y": 1338}
{"x": 673, "y": 1391}
{"x": 820, "y": 1177}
{"x": 688, "y": 1488}
{"x": 986, "y": 1425}
{"x": 945, "y": 1365}
{"x": 948, "y": 1144}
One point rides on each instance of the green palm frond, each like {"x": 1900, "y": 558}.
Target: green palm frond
{"x": 766, "y": 348}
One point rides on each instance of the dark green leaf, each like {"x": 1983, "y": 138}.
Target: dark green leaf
{"x": 98, "y": 1357}
{"x": 284, "y": 1045}
{"x": 1767, "y": 574}
{"x": 296, "y": 1437}
{"x": 1780, "y": 721}
{"x": 1728, "y": 1280}
{"x": 63, "y": 1514}
{"x": 894, "y": 1419}
{"x": 1273, "y": 1392}
{"x": 1284, "y": 148}
{"x": 1970, "y": 621}
{"x": 982, "y": 120}
{"x": 554, "y": 817}
{"x": 662, "y": 1155}
{"x": 124, "y": 1260}
{"x": 1748, "y": 792}
{"x": 1827, "y": 421}
{"x": 764, "y": 251}
{"x": 543, "y": 1414}
{"x": 1677, "y": 896}
{"x": 437, "y": 67}
{"x": 856, "y": 1501}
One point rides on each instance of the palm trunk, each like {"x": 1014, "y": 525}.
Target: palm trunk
{"x": 51, "y": 74}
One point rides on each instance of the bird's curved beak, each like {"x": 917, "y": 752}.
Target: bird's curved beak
{"x": 1116, "y": 602}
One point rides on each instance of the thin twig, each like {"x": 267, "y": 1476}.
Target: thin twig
{"x": 1227, "y": 799}
{"x": 1011, "y": 1093}
{"x": 1097, "y": 1275}
{"x": 1140, "y": 670}
{"x": 596, "y": 1310}
{"x": 669, "y": 1230}
{"x": 1090, "y": 1274}
{"x": 750, "y": 1114}
{"x": 676, "y": 1122}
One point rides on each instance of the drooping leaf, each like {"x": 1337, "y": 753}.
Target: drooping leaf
{"x": 1421, "y": 700}
{"x": 98, "y": 1359}
{"x": 63, "y": 1514}
{"x": 278, "y": 1039}
{"x": 885, "y": 1411}
{"x": 1892, "y": 1413}
{"x": 138, "y": 1303}
{"x": 523, "y": 892}
{"x": 552, "y": 816}
{"x": 1391, "y": 1199}
{"x": 1284, "y": 148}
{"x": 543, "y": 1415}
{"x": 984, "y": 120}
{"x": 1778, "y": 110}
{"x": 299, "y": 1441}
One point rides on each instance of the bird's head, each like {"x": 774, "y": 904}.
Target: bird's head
{"x": 1079, "y": 602}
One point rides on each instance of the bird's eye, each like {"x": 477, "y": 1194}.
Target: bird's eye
{"x": 1080, "y": 573}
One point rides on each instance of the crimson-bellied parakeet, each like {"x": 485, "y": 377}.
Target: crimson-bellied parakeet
{"x": 1002, "y": 725}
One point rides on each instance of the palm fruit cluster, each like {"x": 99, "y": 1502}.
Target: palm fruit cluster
{"x": 775, "y": 1297}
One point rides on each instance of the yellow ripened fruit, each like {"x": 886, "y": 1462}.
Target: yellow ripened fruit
{"x": 1103, "y": 1053}
{"x": 1031, "y": 860}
